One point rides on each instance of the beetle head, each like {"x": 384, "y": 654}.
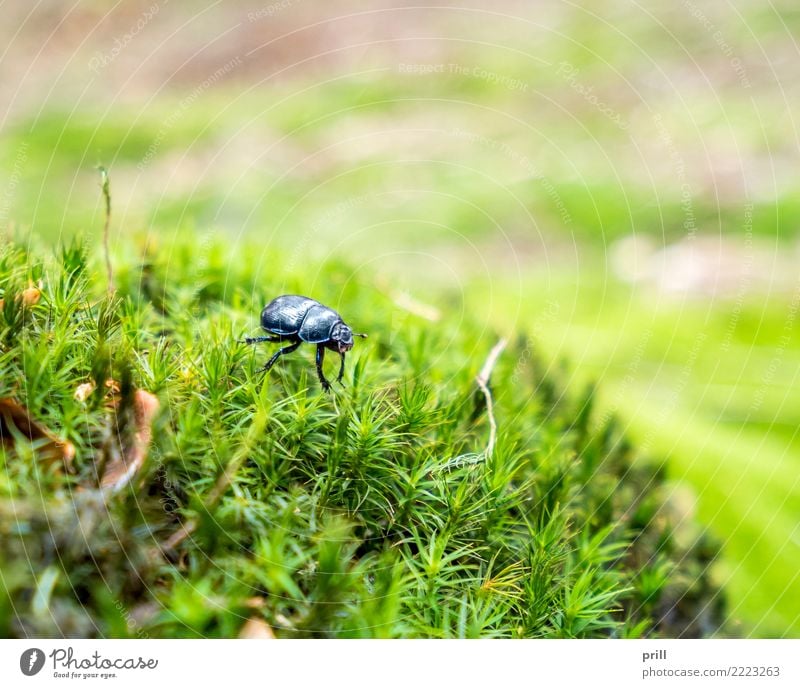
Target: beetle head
{"x": 342, "y": 337}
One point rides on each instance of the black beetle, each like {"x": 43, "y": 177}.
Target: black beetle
{"x": 299, "y": 319}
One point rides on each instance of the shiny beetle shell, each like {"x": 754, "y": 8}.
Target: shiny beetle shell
{"x": 297, "y": 319}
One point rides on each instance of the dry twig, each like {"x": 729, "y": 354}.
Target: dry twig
{"x": 482, "y": 379}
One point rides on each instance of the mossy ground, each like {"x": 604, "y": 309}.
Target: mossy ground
{"x": 373, "y": 511}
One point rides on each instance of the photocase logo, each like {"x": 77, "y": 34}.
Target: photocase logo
{"x": 31, "y": 661}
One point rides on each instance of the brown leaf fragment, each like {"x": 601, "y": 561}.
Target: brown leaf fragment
{"x": 30, "y": 296}
{"x": 256, "y": 629}
{"x": 130, "y": 459}
{"x": 84, "y": 391}
{"x": 15, "y": 418}
{"x": 27, "y": 297}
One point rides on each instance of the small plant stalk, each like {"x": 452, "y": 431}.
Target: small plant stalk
{"x": 104, "y": 185}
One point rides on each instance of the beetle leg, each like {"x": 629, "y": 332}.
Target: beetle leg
{"x": 258, "y": 340}
{"x": 278, "y": 354}
{"x": 341, "y": 371}
{"x": 321, "y": 357}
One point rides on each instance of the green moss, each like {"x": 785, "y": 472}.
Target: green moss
{"x": 372, "y": 512}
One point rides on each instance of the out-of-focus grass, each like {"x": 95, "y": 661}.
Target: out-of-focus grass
{"x": 714, "y": 387}
{"x": 368, "y": 156}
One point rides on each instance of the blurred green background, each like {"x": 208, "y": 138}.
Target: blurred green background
{"x": 618, "y": 181}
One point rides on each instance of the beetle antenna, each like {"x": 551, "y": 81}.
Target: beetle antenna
{"x": 360, "y": 334}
